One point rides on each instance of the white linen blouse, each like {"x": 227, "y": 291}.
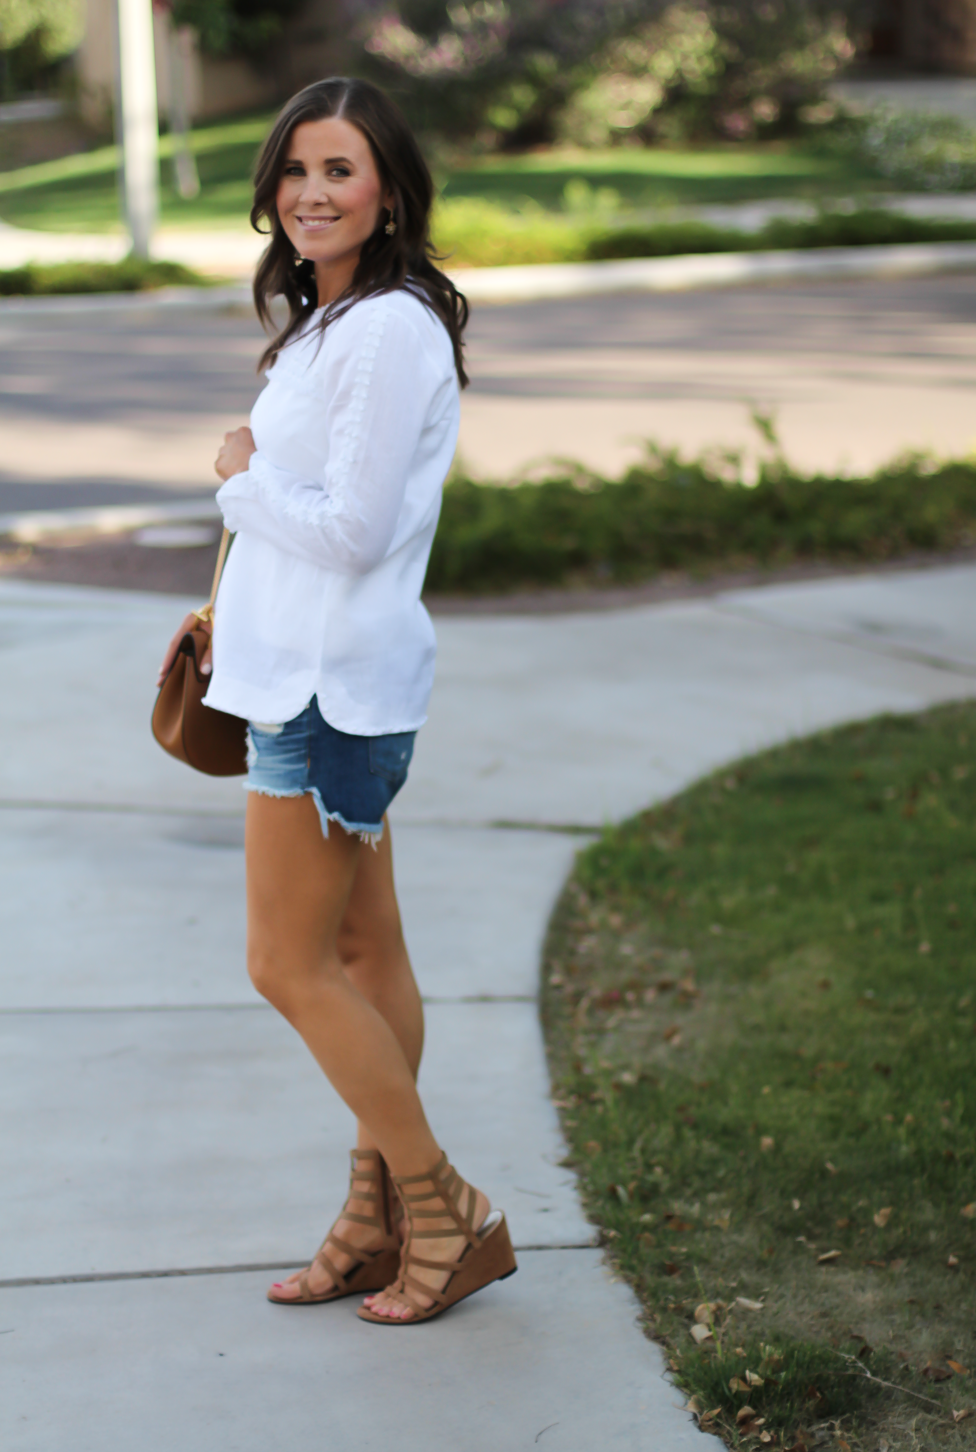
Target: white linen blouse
{"x": 335, "y": 516}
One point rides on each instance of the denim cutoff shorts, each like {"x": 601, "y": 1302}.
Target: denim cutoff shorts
{"x": 352, "y": 778}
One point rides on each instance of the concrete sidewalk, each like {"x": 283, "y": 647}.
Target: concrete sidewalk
{"x": 168, "y": 1141}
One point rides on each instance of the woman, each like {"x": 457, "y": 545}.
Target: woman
{"x": 322, "y": 645}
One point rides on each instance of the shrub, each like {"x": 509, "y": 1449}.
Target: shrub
{"x": 699, "y": 68}
{"x": 914, "y": 149}
{"x": 131, "y": 275}
{"x": 673, "y": 514}
{"x": 596, "y": 73}
{"x": 864, "y": 228}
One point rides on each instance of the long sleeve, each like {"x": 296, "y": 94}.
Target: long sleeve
{"x": 376, "y": 390}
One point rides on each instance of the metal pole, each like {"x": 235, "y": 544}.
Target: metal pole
{"x": 184, "y": 165}
{"x": 140, "y": 125}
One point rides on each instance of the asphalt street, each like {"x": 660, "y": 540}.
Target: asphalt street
{"x": 111, "y": 408}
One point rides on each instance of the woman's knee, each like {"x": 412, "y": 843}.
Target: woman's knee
{"x": 265, "y": 972}
{"x": 284, "y": 980}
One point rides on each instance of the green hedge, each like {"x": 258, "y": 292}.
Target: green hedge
{"x": 670, "y": 514}
{"x": 131, "y": 275}
{"x": 869, "y": 227}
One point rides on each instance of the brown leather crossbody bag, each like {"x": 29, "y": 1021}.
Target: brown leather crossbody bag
{"x": 206, "y": 739}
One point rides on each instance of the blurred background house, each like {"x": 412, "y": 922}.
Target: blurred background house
{"x": 223, "y": 73}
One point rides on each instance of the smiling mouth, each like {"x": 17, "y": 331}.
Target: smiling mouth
{"x": 317, "y": 224}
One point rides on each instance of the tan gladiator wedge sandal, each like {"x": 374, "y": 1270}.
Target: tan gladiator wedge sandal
{"x": 374, "y": 1269}
{"x": 488, "y": 1255}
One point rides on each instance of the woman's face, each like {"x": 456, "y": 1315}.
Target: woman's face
{"x": 330, "y": 196}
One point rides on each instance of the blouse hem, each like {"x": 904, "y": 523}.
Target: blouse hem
{"x": 249, "y": 708}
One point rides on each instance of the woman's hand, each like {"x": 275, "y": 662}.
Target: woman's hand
{"x": 235, "y": 453}
{"x": 190, "y": 623}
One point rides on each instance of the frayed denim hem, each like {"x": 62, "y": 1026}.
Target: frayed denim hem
{"x": 365, "y": 831}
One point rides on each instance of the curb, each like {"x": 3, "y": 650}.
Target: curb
{"x": 122, "y": 302}
{"x": 31, "y": 526}
{"x": 542, "y": 281}
{"x": 716, "y": 269}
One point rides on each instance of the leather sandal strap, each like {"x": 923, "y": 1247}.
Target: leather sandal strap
{"x": 439, "y": 1296}
{"x": 404, "y": 1295}
{"x": 355, "y": 1252}
{"x": 338, "y": 1280}
{"x": 399, "y": 1180}
{"x": 371, "y": 1220}
{"x": 447, "y": 1186}
{"x": 435, "y": 1265}
{"x": 359, "y": 1154}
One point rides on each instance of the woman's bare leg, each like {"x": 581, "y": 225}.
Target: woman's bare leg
{"x": 374, "y": 958}
{"x": 299, "y": 887}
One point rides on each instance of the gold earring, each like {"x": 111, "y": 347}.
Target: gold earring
{"x": 390, "y": 227}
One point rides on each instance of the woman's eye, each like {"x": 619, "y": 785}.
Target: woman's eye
{"x": 294, "y": 170}
{"x": 340, "y": 171}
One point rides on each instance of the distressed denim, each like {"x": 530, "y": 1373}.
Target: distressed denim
{"x": 353, "y": 779}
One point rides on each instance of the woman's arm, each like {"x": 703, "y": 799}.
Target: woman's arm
{"x": 377, "y": 392}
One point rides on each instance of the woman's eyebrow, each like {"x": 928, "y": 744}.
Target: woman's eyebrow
{"x": 329, "y": 161}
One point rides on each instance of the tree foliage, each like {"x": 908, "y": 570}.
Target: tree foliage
{"x": 56, "y": 26}
{"x": 593, "y": 72}
{"x": 459, "y": 67}
{"x": 235, "y": 27}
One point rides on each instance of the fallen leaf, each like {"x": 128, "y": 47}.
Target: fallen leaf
{"x": 765, "y": 1437}
{"x": 936, "y": 1373}
{"x": 882, "y": 1217}
{"x": 593, "y": 1147}
{"x": 736, "y": 1384}
{"x": 748, "y": 1305}
{"x": 831, "y": 1169}
{"x": 961, "y": 1415}
{"x": 701, "y": 1334}
{"x": 957, "y": 1367}
{"x": 705, "y": 1312}
{"x": 753, "y": 1379}
{"x": 722, "y": 1221}
{"x": 740, "y": 1351}
{"x": 670, "y": 1269}
{"x": 842, "y": 1224}
{"x": 953, "y": 1262}
{"x": 828, "y": 1256}
{"x": 766, "y": 1143}
{"x": 796, "y": 1204}
{"x": 691, "y": 1405}
{"x": 672, "y": 1035}
{"x": 674, "y": 1222}
{"x": 969, "y": 1210}
{"x": 745, "y": 1414}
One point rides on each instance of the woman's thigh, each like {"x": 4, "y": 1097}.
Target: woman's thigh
{"x": 299, "y": 884}
{"x": 371, "y": 928}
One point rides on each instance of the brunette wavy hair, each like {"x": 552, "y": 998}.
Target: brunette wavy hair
{"x": 407, "y": 259}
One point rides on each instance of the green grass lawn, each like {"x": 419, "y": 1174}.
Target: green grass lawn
{"x": 80, "y": 192}
{"x": 760, "y": 1005}
{"x": 655, "y": 177}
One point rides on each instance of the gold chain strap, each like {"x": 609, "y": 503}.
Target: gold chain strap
{"x": 205, "y": 613}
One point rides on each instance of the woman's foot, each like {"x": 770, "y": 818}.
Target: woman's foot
{"x": 368, "y": 1230}
{"x": 391, "y": 1303}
